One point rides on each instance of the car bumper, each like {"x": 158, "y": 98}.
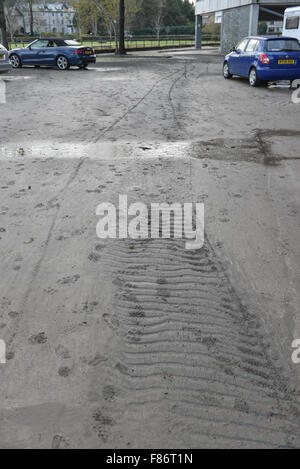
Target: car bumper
{"x": 269, "y": 74}
{"x": 5, "y": 66}
{"x": 89, "y": 59}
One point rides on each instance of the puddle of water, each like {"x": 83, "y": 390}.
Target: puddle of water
{"x": 284, "y": 146}
{"x": 225, "y": 150}
{"x": 269, "y": 147}
{"x": 272, "y": 161}
{"x": 280, "y": 133}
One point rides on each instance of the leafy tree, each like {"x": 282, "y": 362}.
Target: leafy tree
{"x": 262, "y": 28}
{"x": 107, "y": 11}
{"x": 188, "y": 10}
{"x": 175, "y": 13}
{"x": 87, "y": 16}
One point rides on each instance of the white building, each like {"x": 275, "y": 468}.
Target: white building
{"x": 274, "y": 27}
{"x": 241, "y": 18}
{"x": 50, "y": 17}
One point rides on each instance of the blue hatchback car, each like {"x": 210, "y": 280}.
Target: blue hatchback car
{"x": 264, "y": 59}
{"x": 62, "y": 53}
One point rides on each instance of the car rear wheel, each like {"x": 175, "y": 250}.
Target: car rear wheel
{"x": 15, "y": 61}
{"x": 62, "y": 63}
{"x": 226, "y": 71}
{"x": 253, "y": 78}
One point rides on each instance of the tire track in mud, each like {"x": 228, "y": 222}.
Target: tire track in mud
{"x": 55, "y": 204}
{"x": 192, "y": 369}
{"x": 172, "y": 87}
{"x": 135, "y": 106}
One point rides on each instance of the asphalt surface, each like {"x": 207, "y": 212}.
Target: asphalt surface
{"x": 143, "y": 344}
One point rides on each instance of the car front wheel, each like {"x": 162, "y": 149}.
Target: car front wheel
{"x": 62, "y": 63}
{"x": 15, "y": 61}
{"x": 253, "y": 78}
{"x": 226, "y": 71}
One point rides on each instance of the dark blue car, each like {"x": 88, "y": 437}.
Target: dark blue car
{"x": 264, "y": 59}
{"x": 62, "y": 53}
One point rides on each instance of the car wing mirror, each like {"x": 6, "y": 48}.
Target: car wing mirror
{"x": 233, "y": 49}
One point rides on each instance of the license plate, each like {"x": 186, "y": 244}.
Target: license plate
{"x": 286, "y": 62}
{"x": 88, "y": 52}
{"x": 1, "y": 56}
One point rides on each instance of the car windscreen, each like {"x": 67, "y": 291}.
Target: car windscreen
{"x": 278, "y": 45}
{"x": 70, "y": 42}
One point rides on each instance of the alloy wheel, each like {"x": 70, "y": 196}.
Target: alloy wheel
{"x": 15, "y": 61}
{"x": 253, "y": 77}
{"x": 62, "y": 63}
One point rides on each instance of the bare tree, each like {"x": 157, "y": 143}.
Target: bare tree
{"x": 114, "y": 13}
{"x": 10, "y": 11}
{"x": 107, "y": 10}
{"x": 157, "y": 22}
{"x": 29, "y": 4}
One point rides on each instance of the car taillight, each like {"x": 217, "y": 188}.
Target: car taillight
{"x": 78, "y": 51}
{"x": 264, "y": 59}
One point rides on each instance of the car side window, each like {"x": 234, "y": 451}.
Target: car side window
{"x": 252, "y": 45}
{"x": 39, "y": 44}
{"x": 242, "y": 45}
